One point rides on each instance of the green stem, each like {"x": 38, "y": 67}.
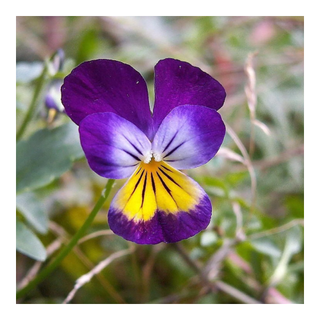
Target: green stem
{"x": 66, "y": 250}
{"x": 33, "y": 104}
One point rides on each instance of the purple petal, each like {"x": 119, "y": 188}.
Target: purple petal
{"x": 163, "y": 227}
{"x": 189, "y": 137}
{"x": 178, "y": 83}
{"x": 107, "y": 86}
{"x": 113, "y": 145}
{"x": 159, "y": 204}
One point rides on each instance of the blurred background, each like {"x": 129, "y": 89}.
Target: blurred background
{"x": 252, "y": 251}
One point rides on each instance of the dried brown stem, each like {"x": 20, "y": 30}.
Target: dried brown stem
{"x": 206, "y": 272}
{"x": 96, "y": 270}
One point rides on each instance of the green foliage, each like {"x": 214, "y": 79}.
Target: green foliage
{"x": 254, "y": 242}
{"x": 55, "y": 149}
{"x": 33, "y": 211}
{"x": 28, "y": 243}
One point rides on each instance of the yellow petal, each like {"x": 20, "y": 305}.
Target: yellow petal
{"x": 156, "y": 186}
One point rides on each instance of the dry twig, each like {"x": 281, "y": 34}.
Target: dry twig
{"x": 55, "y": 245}
{"x": 59, "y": 231}
{"x": 248, "y": 164}
{"x": 206, "y": 273}
{"x": 97, "y": 269}
{"x": 250, "y": 91}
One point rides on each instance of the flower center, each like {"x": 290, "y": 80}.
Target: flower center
{"x": 151, "y": 166}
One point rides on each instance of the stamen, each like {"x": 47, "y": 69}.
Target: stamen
{"x": 157, "y": 157}
{"x": 147, "y": 157}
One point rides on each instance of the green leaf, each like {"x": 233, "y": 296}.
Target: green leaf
{"x": 28, "y": 243}
{"x": 33, "y": 211}
{"x": 294, "y": 240}
{"x": 292, "y": 246}
{"x": 216, "y": 186}
{"x": 266, "y": 246}
{"x": 46, "y": 155}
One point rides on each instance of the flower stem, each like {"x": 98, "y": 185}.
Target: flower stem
{"x": 66, "y": 250}
{"x": 41, "y": 81}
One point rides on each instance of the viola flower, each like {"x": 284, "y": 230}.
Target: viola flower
{"x": 121, "y": 138}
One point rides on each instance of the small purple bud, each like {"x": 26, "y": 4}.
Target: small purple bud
{"x": 53, "y": 96}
